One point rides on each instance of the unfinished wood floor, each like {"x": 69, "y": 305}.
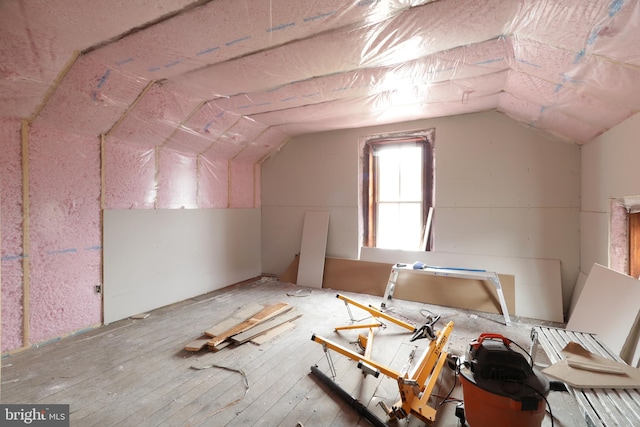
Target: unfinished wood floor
{"x": 136, "y": 373}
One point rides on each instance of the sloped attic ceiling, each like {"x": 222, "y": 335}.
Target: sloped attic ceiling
{"x": 237, "y": 78}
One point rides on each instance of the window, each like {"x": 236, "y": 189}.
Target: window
{"x": 398, "y": 191}
{"x": 624, "y": 235}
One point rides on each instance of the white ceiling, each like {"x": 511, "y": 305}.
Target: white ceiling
{"x": 235, "y": 79}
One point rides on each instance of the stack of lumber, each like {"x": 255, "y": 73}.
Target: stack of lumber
{"x": 254, "y": 322}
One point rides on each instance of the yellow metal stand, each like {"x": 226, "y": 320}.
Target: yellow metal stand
{"x": 415, "y": 387}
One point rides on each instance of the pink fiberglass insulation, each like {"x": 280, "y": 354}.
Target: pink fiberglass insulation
{"x": 562, "y": 124}
{"x": 65, "y": 249}
{"x": 224, "y": 147}
{"x": 192, "y": 40}
{"x": 23, "y": 80}
{"x": 91, "y": 98}
{"x": 130, "y": 176}
{"x": 11, "y": 232}
{"x": 156, "y": 116}
{"x": 203, "y": 129}
{"x": 593, "y": 110}
{"x": 245, "y": 131}
{"x": 263, "y": 146}
{"x": 618, "y": 237}
{"x": 177, "y": 180}
{"x": 243, "y": 178}
{"x": 382, "y": 107}
{"x": 251, "y": 152}
{"x": 610, "y": 82}
{"x": 616, "y": 35}
{"x": 37, "y": 39}
{"x": 565, "y": 99}
{"x": 188, "y": 140}
{"x": 548, "y": 20}
{"x": 519, "y": 109}
{"x": 416, "y": 33}
{"x": 460, "y": 63}
{"x": 213, "y": 184}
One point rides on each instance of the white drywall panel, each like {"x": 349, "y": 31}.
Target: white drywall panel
{"x": 610, "y": 166}
{"x": 537, "y": 281}
{"x": 609, "y": 171}
{"x": 608, "y": 306}
{"x": 521, "y": 232}
{"x": 488, "y": 160}
{"x": 313, "y": 249}
{"x": 594, "y": 238}
{"x": 321, "y": 171}
{"x": 153, "y": 258}
{"x": 316, "y": 171}
{"x": 282, "y": 234}
{"x": 582, "y": 279}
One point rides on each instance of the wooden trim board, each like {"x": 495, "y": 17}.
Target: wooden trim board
{"x": 267, "y": 313}
{"x": 266, "y": 326}
{"x": 273, "y": 333}
{"x": 198, "y": 344}
{"x": 239, "y": 316}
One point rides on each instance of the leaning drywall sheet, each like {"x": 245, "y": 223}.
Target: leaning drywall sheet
{"x": 153, "y": 258}
{"x": 608, "y": 306}
{"x": 372, "y": 278}
{"x": 313, "y": 248}
{"x": 472, "y": 294}
{"x": 582, "y": 279}
{"x": 363, "y": 277}
{"x": 538, "y": 289}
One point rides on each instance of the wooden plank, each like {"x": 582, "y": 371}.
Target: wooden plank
{"x": 197, "y": 344}
{"x": 259, "y": 317}
{"x": 265, "y": 326}
{"x": 26, "y": 235}
{"x": 236, "y": 318}
{"x": 313, "y": 249}
{"x": 273, "y": 333}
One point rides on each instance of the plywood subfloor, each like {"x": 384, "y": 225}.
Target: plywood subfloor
{"x": 136, "y": 373}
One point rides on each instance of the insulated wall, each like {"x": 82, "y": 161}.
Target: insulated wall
{"x": 501, "y": 190}
{"x": 11, "y": 232}
{"x": 52, "y": 233}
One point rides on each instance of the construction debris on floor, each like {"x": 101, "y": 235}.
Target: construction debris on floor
{"x": 254, "y": 322}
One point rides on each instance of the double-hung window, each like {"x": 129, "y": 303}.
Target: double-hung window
{"x": 398, "y": 191}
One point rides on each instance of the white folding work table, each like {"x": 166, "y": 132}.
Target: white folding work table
{"x": 461, "y": 273}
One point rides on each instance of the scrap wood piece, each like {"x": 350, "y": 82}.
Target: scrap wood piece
{"x": 265, "y": 326}
{"x": 238, "y": 317}
{"x": 140, "y": 316}
{"x": 220, "y": 346}
{"x": 583, "y": 369}
{"x": 273, "y": 333}
{"x": 267, "y": 313}
{"x": 197, "y": 344}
